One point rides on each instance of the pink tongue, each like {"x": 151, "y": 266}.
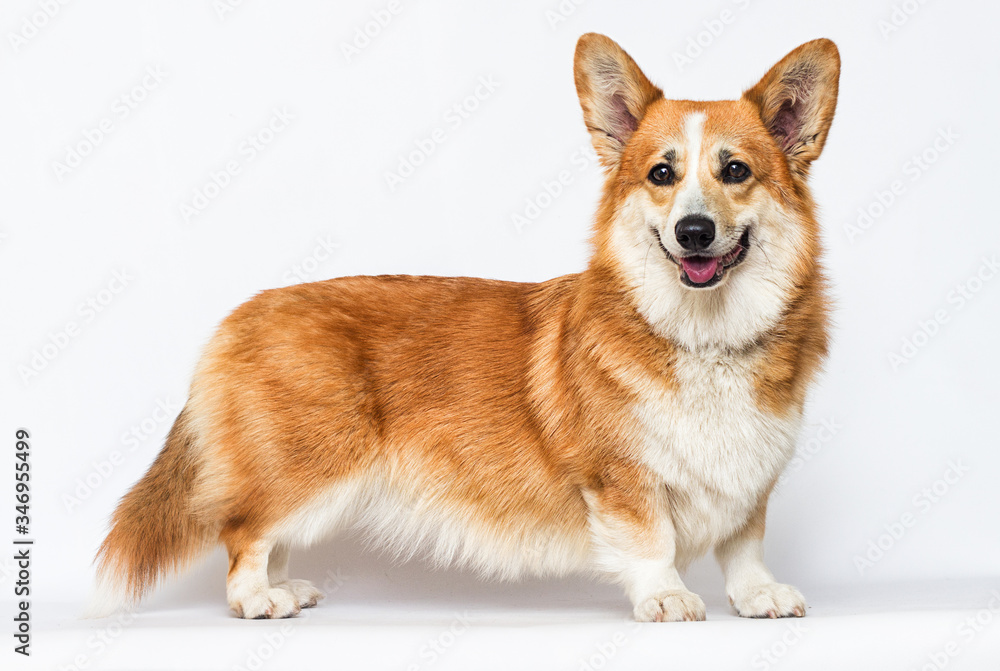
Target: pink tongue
{"x": 700, "y": 269}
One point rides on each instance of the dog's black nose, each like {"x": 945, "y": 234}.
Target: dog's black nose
{"x": 695, "y": 232}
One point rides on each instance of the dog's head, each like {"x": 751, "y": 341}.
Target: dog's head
{"x": 706, "y": 210}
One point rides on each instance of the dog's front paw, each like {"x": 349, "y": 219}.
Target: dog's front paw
{"x": 673, "y": 606}
{"x": 769, "y": 600}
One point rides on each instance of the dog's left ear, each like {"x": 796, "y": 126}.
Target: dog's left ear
{"x": 797, "y": 99}
{"x": 614, "y": 94}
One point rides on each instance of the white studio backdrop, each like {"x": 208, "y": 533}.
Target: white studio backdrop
{"x": 163, "y": 162}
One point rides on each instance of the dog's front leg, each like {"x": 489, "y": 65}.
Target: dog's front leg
{"x": 634, "y": 540}
{"x": 750, "y": 585}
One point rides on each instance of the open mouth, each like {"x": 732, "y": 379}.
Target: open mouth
{"x": 707, "y": 271}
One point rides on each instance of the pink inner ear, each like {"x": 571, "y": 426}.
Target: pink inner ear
{"x": 623, "y": 124}
{"x": 787, "y": 124}
{"x": 798, "y": 85}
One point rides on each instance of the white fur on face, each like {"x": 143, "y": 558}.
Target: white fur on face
{"x": 748, "y": 301}
{"x": 731, "y": 315}
{"x": 690, "y": 200}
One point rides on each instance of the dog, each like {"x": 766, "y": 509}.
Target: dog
{"x": 621, "y": 421}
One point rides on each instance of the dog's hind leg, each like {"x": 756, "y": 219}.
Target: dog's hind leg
{"x": 277, "y": 565}
{"x": 277, "y": 575}
{"x": 248, "y": 589}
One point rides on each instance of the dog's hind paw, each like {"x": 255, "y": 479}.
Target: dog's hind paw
{"x": 273, "y": 603}
{"x": 673, "y": 606}
{"x": 303, "y": 591}
{"x": 770, "y": 600}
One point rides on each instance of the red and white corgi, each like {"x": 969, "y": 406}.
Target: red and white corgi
{"x": 623, "y": 421}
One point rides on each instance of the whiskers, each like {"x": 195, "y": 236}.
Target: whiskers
{"x": 645, "y": 260}
{"x": 762, "y": 245}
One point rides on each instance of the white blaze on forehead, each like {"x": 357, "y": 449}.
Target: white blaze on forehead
{"x": 690, "y": 200}
{"x": 694, "y": 127}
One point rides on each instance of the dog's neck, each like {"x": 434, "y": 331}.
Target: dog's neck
{"x": 784, "y": 349}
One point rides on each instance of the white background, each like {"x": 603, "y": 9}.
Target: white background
{"x": 65, "y": 234}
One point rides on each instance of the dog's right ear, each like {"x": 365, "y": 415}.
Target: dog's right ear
{"x": 614, "y": 94}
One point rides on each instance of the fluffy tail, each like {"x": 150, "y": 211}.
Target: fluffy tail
{"x": 154, "y": 530}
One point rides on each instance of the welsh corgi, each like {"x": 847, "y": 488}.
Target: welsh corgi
{"x": 621, "y": 421}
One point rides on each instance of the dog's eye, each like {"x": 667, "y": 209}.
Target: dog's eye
{"x": 735, "y": 172}
{"x": 661, "y": 174}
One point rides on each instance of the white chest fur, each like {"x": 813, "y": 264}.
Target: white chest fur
{"x": 714, "y": 448}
